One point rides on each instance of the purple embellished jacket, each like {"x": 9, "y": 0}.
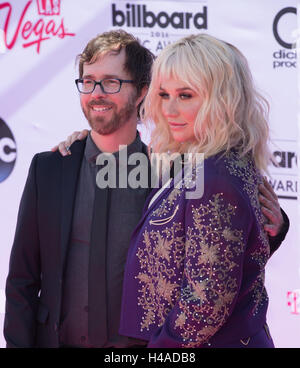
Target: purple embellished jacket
{"x": 194, "y": 275}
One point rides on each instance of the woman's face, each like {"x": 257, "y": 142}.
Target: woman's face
{"x": 180, "y": 105}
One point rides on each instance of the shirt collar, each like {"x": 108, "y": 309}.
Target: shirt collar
{"x": 92, "y": 151}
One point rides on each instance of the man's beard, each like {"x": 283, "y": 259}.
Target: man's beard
{"x": 119, "y": 118}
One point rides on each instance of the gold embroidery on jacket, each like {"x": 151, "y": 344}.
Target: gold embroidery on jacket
{"x": 243, "y": 167}
{"x": 159, "y": 286}
{"x": 167, "y": 203}
{"x": 164, "y": 220}
{"x": 205, "y": 258}
{"x": 208, "y": 253}
{"x": 211, "y": 249}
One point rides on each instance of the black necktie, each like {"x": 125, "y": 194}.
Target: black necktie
{"x": 97, "y": 270}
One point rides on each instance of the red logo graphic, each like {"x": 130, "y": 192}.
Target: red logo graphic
{"x": 294, "y": 301}
{"x": 34, "y": 33}
{"x": 48, "y": 7}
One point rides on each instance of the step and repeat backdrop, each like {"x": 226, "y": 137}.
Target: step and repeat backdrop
{"x": 39, "y": 103}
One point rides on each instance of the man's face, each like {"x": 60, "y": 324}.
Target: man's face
{"x": 107, "y": 113}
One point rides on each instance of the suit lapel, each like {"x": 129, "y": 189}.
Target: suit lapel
{"x": 164, "y": 194}
{"x": 70, "y": 174}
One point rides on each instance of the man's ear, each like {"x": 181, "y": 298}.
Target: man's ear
{"x": 141, "y": 96}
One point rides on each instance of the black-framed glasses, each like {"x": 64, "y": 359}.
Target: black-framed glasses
{"x": 107, "y": 85}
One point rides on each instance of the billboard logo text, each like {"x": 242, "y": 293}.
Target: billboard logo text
{"x": 139, "y": 16}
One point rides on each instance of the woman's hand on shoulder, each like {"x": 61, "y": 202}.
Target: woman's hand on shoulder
{"x": 64, "y": 147}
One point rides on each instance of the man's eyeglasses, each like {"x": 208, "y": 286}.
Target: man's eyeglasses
{"x": 107, "y": 85}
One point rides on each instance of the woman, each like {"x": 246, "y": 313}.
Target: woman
{"x": 195, "y": 269}
{"x": 194, "y": 274}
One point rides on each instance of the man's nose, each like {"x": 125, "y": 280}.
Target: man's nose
{"x": 98, "y": 91}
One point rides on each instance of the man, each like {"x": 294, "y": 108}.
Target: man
{"x": 64, "y": 286}
{"x": 51, "y": 301}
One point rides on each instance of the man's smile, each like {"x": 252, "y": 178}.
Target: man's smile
{"x": 101, "y": 108}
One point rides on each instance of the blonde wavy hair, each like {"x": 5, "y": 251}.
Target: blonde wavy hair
{"x": 233, "y": 114}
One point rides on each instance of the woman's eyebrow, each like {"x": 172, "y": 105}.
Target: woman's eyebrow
{"x": 178, "y": 89}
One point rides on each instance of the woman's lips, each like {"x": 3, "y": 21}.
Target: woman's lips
{"x": 175, "y": 125}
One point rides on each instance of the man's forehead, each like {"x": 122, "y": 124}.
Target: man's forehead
{"x": 108, "y": 63}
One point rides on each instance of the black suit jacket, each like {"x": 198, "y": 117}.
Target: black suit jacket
{"x": 34, "y": 282}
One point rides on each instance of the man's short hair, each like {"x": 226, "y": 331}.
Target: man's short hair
{"x": 138, "y": 59}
